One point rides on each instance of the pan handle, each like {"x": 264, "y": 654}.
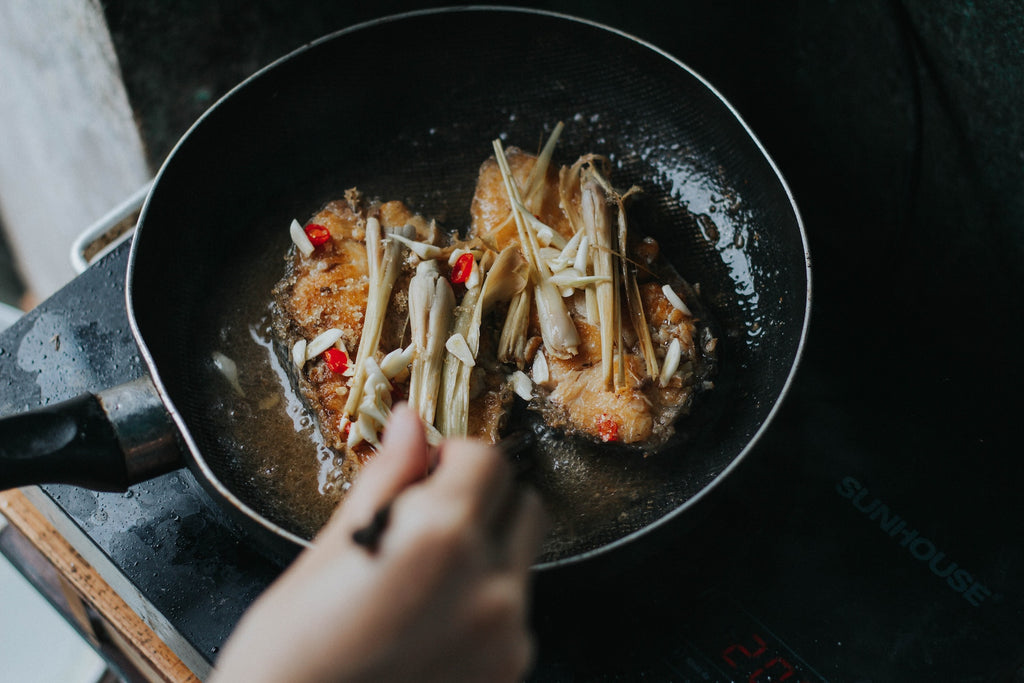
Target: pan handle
{"x": 105, "y": 441}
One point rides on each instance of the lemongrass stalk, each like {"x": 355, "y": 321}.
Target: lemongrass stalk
{"x": 634, "y": 303}
{"x": 582, "y": 264}
{"x": 441, "y": 315}
{"x": 568, "y": 188}
{"x": 570, "y": 277}
{"x": 595, "y": 221}
{"x": 505, "y": 279}
{"x": 453, "y": 410}
{"x": 553, "y": 236}
{"x": 620, "y": 350}
{"x": 535, "y": 184}
{"x": 512, "y": 343}
{"x": 431, "y": 303}
{"x": 374, "y": 408}
{"x": 422, "y": 249}
{"x": 527, "y": 239}
{"x": 568, "y": 253}
{"x": 557, "y": 329}
{"x": 421, "y": 293}
{"x": 383, "y": 264}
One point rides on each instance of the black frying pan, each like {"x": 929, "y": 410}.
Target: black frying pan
{"x": 405, "y": 108}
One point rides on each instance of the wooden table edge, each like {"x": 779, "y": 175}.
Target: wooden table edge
{"x": 147, "y": 646}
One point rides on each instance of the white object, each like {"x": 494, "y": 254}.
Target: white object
{"x": 8, "y": 316}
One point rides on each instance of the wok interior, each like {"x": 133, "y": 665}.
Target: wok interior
{"x": 406, "y": 109}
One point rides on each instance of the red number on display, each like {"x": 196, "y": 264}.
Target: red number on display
{"x": 777, "y": 663}
{"x": 757, "y": 652}
{"x": 777, "y": 668}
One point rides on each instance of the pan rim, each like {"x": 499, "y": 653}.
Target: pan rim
{"x": 195, "y": 456}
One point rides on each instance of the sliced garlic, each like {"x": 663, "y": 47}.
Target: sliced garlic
{"x": 299, "y": 353}
{"x": 322, "y": 342}
{"x": 473, "y": 281}
{"x": 300, "y": 239}
{"x": 582, "y": 254}
{"x": 674, "y": 299}
{"x": 522, "y": 385}
{"x": 671, "y": 363}
{"x": 454, "y": 256}
{"x": 545, "y": 235}
{"x": 229, "y": 369}
{"x": 422, "y": 249}
{"x": 458, "y": 347}
{"x": 540, "y": 371}
{"x": 373, "y": 410}
{"x": 570, "y": 277}
{"x": 398, "y": 360}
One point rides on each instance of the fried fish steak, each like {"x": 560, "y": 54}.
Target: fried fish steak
{"x": 366, "y": 280}
{"x": 328, "y": 291}
{"x": 572, "y": 393}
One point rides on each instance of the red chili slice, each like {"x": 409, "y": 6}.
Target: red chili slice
{"x": 607, "y": 428}
{"x": 317, "y": 234}
{"x": 462, "y": 268}
{"x": 336, "y": 359}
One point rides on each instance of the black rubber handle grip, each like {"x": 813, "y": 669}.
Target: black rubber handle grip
{"x": 105, "y": 441}
{"x": 71, "y": 442}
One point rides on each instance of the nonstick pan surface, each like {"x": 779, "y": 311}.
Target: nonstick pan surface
{"x": 405, "y": 108}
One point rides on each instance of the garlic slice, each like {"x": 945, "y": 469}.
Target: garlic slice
{"x": 298, "y": 235}
{"x": 522, "y": 385}
{"x": 322, "y": 342}
{"x": 398, "y": 360}
{"x": 229, "y": 369}
{"x": 299, "y": 353}
{"x": 541, "y": 373}
{"x": 674, "y": 299}
{"x": 671, "y": 362}
{"x": 459, "y": 348}
{"x": 422, "y": 249}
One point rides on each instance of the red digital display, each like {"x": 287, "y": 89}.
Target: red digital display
{"x": 735, "y": 646}
{"x": 759, "y": 662}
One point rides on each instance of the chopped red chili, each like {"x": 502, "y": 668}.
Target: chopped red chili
{"x": 462, "y": 268}
{"x": 607, "y": 428}
{"x": 336, "y": 359}
{"x": 317, "y": 234}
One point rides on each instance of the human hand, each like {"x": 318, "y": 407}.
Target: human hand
{"x": 443, "y": 597}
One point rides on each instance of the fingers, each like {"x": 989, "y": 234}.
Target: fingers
{"x": 404, "y": 459}
{"x": 526, "y": 530}
{"x": 471, "y": 479}
{"x": 510, "y": 513}
{"x": 475, "y": 474}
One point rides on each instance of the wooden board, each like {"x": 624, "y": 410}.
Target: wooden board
{"x": 136, "y": 640}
